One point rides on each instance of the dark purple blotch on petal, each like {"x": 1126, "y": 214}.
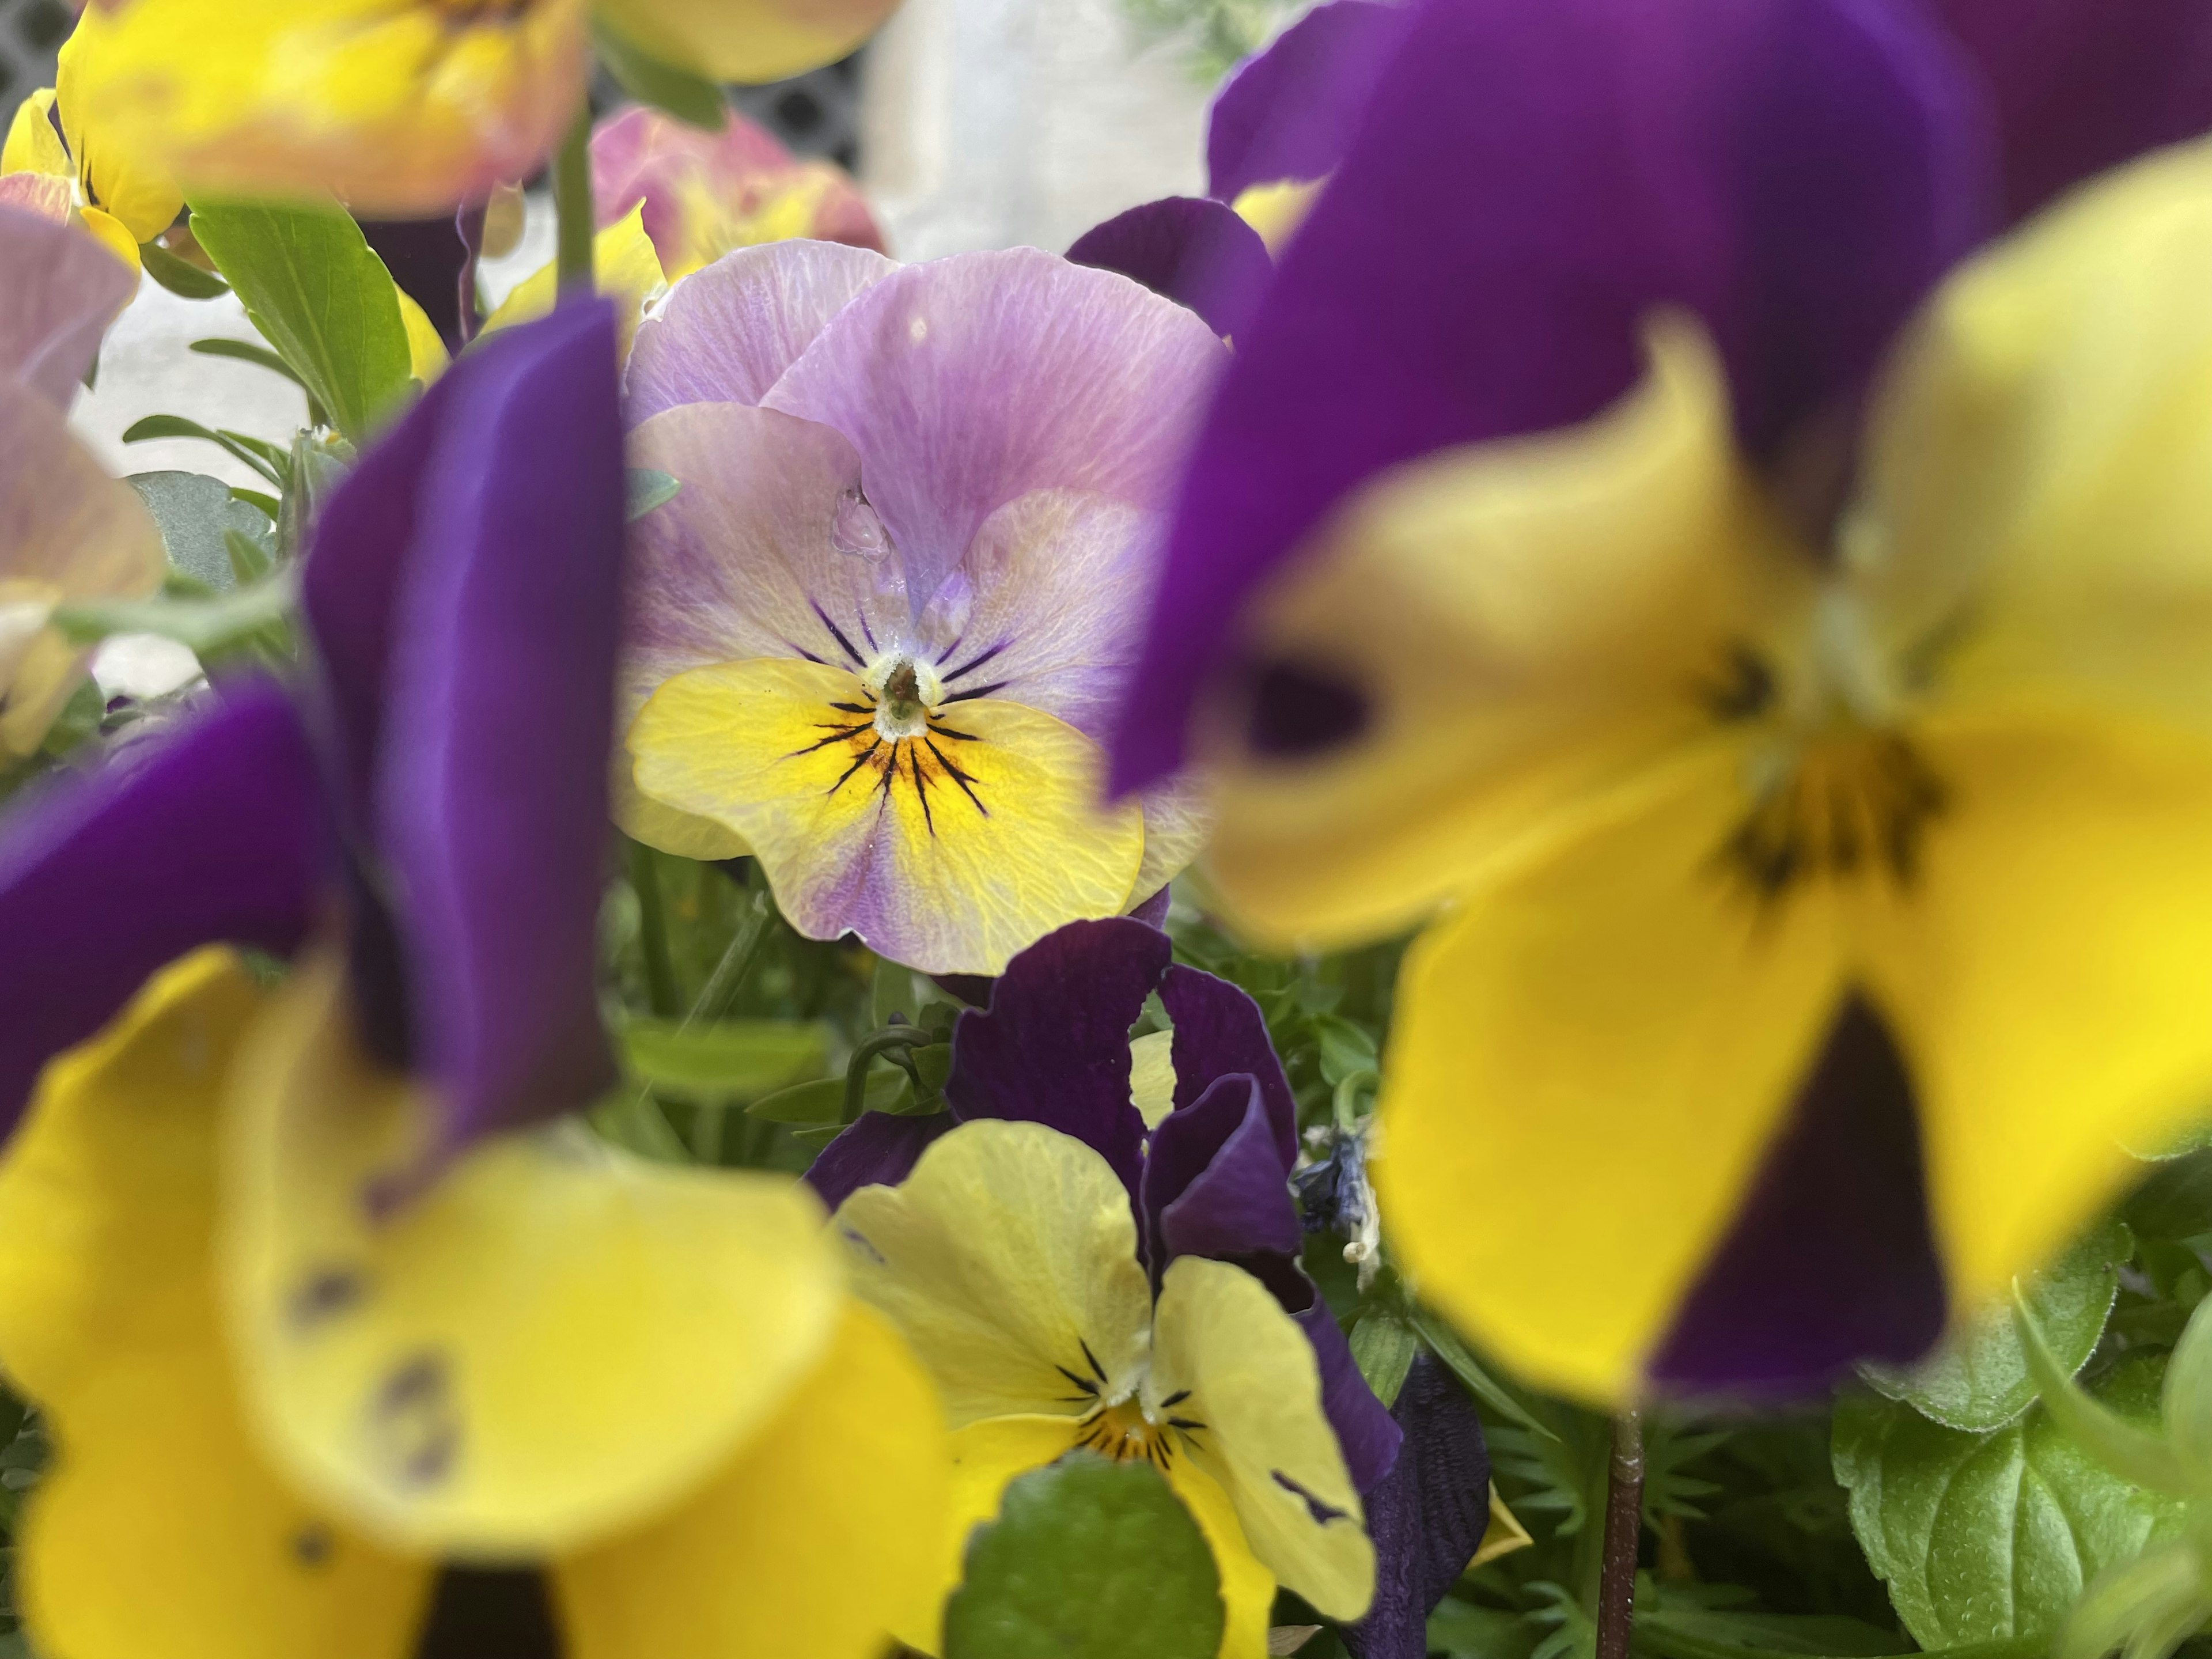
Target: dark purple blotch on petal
{"x": 1301, "y": 710}
{"x": 1195, "y": 252}
{"x": 1219, "y": 1032}
{"x": 1054, "y": 1047}
{"x": 490, "y": 804}
{"x": 1365, "y": 1431}
{"x": 213, "y": 832}
{"x": 1427, "y": 1516}
{"x": 1289, "y": 113}
{"x": 1832, "y": 1258}
{"x": 878, "y": 1149}
{"x": 2083, "y": 85}
{"x": 1214, "y": 1184}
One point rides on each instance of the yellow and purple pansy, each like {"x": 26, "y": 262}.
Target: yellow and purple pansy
{"x": 331, "y": 1301}
{"x": 1716, "y": 494}
{"x": 875, "y": 634}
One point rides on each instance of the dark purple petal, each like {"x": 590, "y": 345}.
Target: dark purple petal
{"x": 2082, "y": 85}
{"x": 1291, "y": 112}
{"x": 1832, "y": 1258}
{"x": 1214, "y": 1184}
{"x": 880, "y": 1149}
{"x": 1197, "y": 253}
{"x": 429, "y": 259}
{"x": 212, "y": 832}
{"x": 1529, "y": 183}
{"x": 1153, "y": 912}
{"x": 491, "y": 787}
{"x": 1219, "y": 1032}
{"x": 1427, "y": 1516}
{"x": 1054, "y": 1047}
{"x": 1365, "y": 1430}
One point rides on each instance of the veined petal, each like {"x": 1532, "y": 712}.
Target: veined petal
{"x": 1291, "y": 112}
{"x": 1008, "y": 1259}
{"x": 42, "y": 196}
{"x": 821, "y": 1539}
{"x": 1220, "y": 1031}
{"x": 728, "y": 332}
{"x": 969, "y": 382}
{"x": 1246, "y": 1379}
{"x": 1179, "y": 822}
{"x": 1601, "y": 1043}
{"x": 120, "y": 171}
{"x": 747, "y": 40}
{"x": 1214, "y": 1184}
{"x": 2046, "y": 975}
{"x": 397, "y": 107}
{"x": 64, "y": 289}
{"x": 397, "y": 1346}
{"x": 948, "y": 851}
{"x": 625, "y": 268}
{"x": 2038, "y": 518}
{"x": 160, "y": 1528}
{"x": 1485, "y": 639}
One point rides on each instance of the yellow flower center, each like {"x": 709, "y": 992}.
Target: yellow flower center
{"x": 1126, "y": 1431}
{"x": 898, "y": 740}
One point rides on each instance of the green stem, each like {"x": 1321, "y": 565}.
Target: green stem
{"x": 720, "y": 993}
{"x": 856, "y": 1073}
{"x": 572, "y": 202}
{"x": 1345, "y": 1109}
{"x": 652, "y": 930}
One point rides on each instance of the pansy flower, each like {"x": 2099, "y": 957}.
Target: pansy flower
{"x": 875, "y": 633}
{"x": 408, "y": 106}
{"x": 1672, "y": 506}
{"x": 1083, "y": 1245}
{"x": 320, "y": 1287}
{"x": 707, "y": 193}
{"x": 68, "y": 531}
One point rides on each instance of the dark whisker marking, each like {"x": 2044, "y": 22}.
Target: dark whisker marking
{"x": 839, "y": 735}
{"x": 854, "y": 767}
{"x": 980, "y": 691}
{"x": 1186, "y": 1423}
{"x": 947, "y": 731}
{"x": 838, "y": 634}
{"x": 1097, "y": 1370}
{"x": 868, "y": 633}
{"x": 974, "y": 663}
{"x": 854, "y": 708}
{"x": 805, "y": 652}
{"x": 922, "y": 790}
{"x": 889, "y": 772}
{"x": 959, "y": 777}
{"x": 1082, "y": 1382}
{"x": 1175, "y": 1399}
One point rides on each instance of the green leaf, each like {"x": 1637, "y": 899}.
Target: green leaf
{"x": 1463, "y": 1630}
{"x": 177, "y": 426}
{"x": 270, "y": 506}
{"x": 1088, "y": 1559}
{"x": 648, "y": 489}
{"x": 209, "y": 625}
{"x": 1444, "y": 1343}
{"x": 823, "y": 1101}
{"x": 247, "y": 352}
{"x": 1992, "y": 1535}
{"x": 180, "y": 276}
{"x": 716, "y": 1061}
{"x": 1383, "y": 1346}
{"x": 1346, "y": 1049}
{"x": 2140, "y": 1455}
{"x": 196, "y": 514}
{"x": 686, "y": 96}
{"x": 2175, "y": 1202}
{"x": 1978, "y": 1378}
{"x": 317, "y": 294}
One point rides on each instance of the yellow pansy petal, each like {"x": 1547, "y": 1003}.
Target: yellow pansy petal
{"x": 427, "y": 357}
{"x": 158, "y": 1522}
{"x": 553, "y": 1341}
{"x": 399, "y": 107}
{"x": 1601, "y": 1042}
{"x": 112, "y": 233}
{"x": 1247, "y": 1589}
{"x": 2047, "y": 974}
{"x": 818, "y": 1540}
{"x": 1151, "y": 1077}
{"x": 1504, "y": 1533}
{"x": 1527, "y": 622}
{"x": 624, "y": 265}
{"x": 34, "y": 145}
{"x": 1247, "y": 1378}
{"x": 747, "y": 40}
{"x": 1277, "y": 210}
{"x": 1009, "y": 1259}
{"x": 2039, "y": 504}
{"x": 949, "y": 852}
{"x": 684, "y": 834}
{"x": 119, "y": 169}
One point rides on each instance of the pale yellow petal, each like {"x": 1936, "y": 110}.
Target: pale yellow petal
{"x": 427, "y": 357}
{"x": 1603, "y": 1043}
{"x": 950, "y": 851}
{"x": 624, "y": 268}
{"x": 747, "y": 40}
{"x": 1009, "y": 1259}
{"x": 820, "y": 1539}
{"x": 120, "y": 170}
{"x": 686, "y": 835}
{"x": 1277, "y": 210}
{"x": 986, "y": 1456}
{"x": 1151, "y": 1077}
{"x": 554, "y": 1341}
{"x": 33, "y": 144}
{"x": 1247, "y": 1589}
{"x": 1248, "y": 1383}
{"x": 1528, "y": 623}
{"x": 112, "y": 233}
{"x": 1504, "y": 1533}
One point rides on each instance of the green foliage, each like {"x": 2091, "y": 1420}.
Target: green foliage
{"x": 180, "y": 276}
{"x": 320, "y": 296}
{"x": 250, "y": 452}
{"x": 648, "y": 489}
{"x": 719, "y": 1061}
{"x": 1088, "y": 1559}
{"x": 682, "y": 94}
{"x": 197, "y": 514}
{"x": 1211, "y": 36}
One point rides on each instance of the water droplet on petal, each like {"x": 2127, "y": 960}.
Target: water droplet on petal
{"x": 855, "y": 528}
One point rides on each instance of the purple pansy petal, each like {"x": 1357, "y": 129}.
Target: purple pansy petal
{"x": 1054, "y": 1047}
{"x": 2082, "y": 85}
{"x": 492, "y": 793}
{"x": 879, "y": 1150}
{"x": 1213, "y": 1184}
{"x": 1291, "y": 112}
{"x": 1427, "y": 1516}
{"x": 212, "y": 832}
{"x": 1530, "y": 182}
{"x": 1364, "y": 1430}
{"x": 1153, "y": 912}
{"x": 63, "y": 290}
{"x": 971, "y": 381}
{"x": 1219, "y": 1031}
{"x": 727, "y": 333}
{"x": 1832, "y": 1258}
{"x": 1196, "y": 251}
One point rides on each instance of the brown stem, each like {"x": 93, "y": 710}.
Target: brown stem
{"x": 1624, "y": 1530}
